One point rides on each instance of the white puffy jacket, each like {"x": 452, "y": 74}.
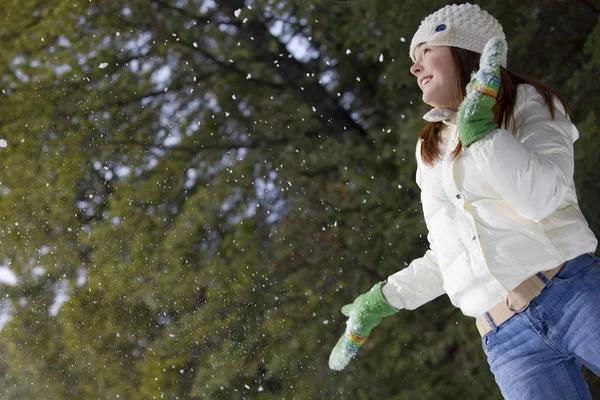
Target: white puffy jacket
{"x": 503, "y": 210}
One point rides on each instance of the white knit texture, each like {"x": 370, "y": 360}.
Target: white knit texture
{"x": 465, "y": 26}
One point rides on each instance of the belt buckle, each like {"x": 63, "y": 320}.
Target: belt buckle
{"x": 511, "y": 308}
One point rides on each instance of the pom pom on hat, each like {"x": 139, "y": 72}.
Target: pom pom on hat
{"x": 465, "y": 26}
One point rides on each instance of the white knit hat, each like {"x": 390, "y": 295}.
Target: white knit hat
{"x": 465, "y": 26}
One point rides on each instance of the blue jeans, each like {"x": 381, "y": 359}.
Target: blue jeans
{"x": 539, "y": 353}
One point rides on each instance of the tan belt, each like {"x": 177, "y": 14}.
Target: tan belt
{"x": 516, "y": 301}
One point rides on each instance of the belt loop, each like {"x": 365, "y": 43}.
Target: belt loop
{"x": 547, "y": 282}
{"x": 490, "y": 321}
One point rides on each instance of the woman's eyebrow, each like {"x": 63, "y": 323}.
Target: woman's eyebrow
{"x": 417, "y": 48}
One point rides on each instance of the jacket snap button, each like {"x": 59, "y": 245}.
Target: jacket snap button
{"x": 458, "y": 196}
{"x": 474, "y": 237}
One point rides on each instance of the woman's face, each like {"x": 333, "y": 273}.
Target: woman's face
{"x": 436, "y": 75}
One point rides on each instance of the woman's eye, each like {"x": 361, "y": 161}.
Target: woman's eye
{"x": 426, "y": 51}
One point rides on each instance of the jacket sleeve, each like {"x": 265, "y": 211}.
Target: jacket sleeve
{"x": 533, "y": 169}
{"x": 415, "y": 285}
{"x": 418, "y": 283}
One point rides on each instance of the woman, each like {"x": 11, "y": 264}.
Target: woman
{"x": 508, "y": 242}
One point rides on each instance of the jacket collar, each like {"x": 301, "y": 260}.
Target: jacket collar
{"x": 444, "y": 115}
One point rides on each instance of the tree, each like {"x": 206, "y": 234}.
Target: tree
{"x": 209, "y": 183}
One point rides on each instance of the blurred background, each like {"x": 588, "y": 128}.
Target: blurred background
{"x": 191, "y": 189}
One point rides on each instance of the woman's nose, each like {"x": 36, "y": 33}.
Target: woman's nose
{"x": 415, "y": 69}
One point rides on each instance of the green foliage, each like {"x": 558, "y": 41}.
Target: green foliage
{"x": 212, "y": 200}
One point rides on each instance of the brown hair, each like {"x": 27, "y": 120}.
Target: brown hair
{"x": 466, "y": 62}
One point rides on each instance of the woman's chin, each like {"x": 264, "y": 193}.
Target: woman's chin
{"x": 435, "y": 102}
{"x": 429, "y": 99}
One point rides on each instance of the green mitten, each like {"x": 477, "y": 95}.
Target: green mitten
{"x": 365, "y": 313}
{"x": 475, "y": 117}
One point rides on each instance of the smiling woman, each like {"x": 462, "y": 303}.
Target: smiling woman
{"x": 508, "y": 242}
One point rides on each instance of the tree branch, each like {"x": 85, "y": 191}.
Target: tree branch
{"x": 202, "y": 147}
{"x": 589, "y": 4}
{"x": 294, "y": 73}
{"x": 230, "y": 67}
{"x": 200, "y": 19}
